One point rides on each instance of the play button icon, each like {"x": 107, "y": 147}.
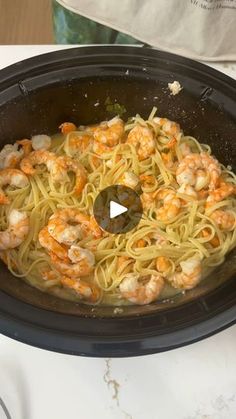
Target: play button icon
{"x": 117, "y": 209}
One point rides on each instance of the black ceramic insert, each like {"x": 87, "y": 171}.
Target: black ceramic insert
{"x": 36, "y": 95}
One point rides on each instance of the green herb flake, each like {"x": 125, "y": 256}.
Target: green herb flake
{"x": 114, "y": 108}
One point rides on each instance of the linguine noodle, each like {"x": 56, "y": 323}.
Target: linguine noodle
{"x": 117, "y": 255}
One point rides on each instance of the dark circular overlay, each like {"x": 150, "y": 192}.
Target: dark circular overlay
{"x": 121, "y": 195}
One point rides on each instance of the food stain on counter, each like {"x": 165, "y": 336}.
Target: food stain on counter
{"x": 114, "y": 386}
{"x": 220, "y": 408}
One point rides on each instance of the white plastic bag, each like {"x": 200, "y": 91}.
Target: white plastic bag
{"x": 200, "y": 29}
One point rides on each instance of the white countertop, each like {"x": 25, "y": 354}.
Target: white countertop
{"x": 194, "y": 382}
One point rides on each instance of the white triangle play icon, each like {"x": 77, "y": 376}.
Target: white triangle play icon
{"x": 116, "y": 209}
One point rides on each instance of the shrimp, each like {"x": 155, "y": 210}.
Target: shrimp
{"x": 49, "y": 275}
{"x": 169, "y": 160}
{"x": 37, "y": 157}
{"x": 171, "y": 205}
{"x": 141, "y": 290}
{"x": 169, "y": 129}
{"x": 88, "y": 292}
{"x": 185, "y": 149}
{"x": 199, "y": 170}
{"x": 215, "y": 242}
{"x": 41, "y": 142}
{"x": 140, "y": 243}
{"x": 148, "y": 199}
{"x": 142, "y": 139}
{"x": 67, "y": 127}
{"x": 190, "y": 275}
{"x": 224, "y": 190}
{"x": 77, "y": 143}
{"x": 187, "y": 190}
{"x": 26, "y": 146}
{"x": 225, "y": 219}
{"x": 147, "y": 180}
{"x": 110, "y": 132}
{"x": 83, "y": 267}
{"x": 63, "y": 232}
{"x": 64, "y": 164}
{"x": 17, "y": 230}
{"x": 124, "y": 264}
{"x": 12, "y": 177}
{"x": 100, "y": 149}
{"x": 77, "y": 253}
{"x": 129, "y": 179}
{"x": 163, "y": 265}
{"x": 49, "y": 243}
{"x": 10, "y": 156}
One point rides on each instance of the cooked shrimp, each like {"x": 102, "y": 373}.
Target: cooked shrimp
{"x": 100, "y": 149}
{"x": 169, "y": 129}
{"x": 17, "y": 230}
{"x": 129, "y": 179}
{"x": 49, "y": 243}
{"x": 26, "y": 146}
{"x": 140, "y": 243}
{"x": 147, "y": 180}
{"x": 224, "y": 190}
{"x": 77, "y": 143}
{"x": 77, "y": 253}
{"x": 10, "y": 156}
{"x": 199, "y": 170}
{"x": 141, "y": 290}
{"x": 67, "y": 127}
{"x": 171, "y": 204}
{"x": 185, "y": 149}
{"x": 49, "y": 275}
{"x": 88, "y": 292}
{"x": 12, "y": 177}
{"x": 41, "y": 142}
{"x": 95, "y": 162}
{"x": 187, "y": 190}
{"x": 37, "y": 157}
{"x": 62, "y": 166}
{"x": 60, "y": 229}
{"x": 190, "y": 275}
{"x": 163, "y": 265}
{"x": 169, "y": 160}
{"x": 225, "y": 219}
{"x": 110, "y": 132}
{"x": 142, "y": 139}
{"x": 148, "y": 199}
{"x": 215, "y": 242}
{"x": 83, "y": 267}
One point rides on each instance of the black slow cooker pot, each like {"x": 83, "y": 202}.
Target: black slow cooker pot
{"x": 36, "y": 95}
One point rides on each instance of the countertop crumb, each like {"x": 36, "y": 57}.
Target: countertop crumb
{"x": 118, "y": 310}
{"x": 174, "y": 87}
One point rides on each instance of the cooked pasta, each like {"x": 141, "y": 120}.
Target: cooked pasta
{"x": 51, "y": 239}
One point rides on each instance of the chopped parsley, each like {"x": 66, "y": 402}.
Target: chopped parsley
{"x": 114, "y": 108}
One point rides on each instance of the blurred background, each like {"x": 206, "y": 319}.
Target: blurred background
{"x": 48, "y": 22}
{"x": 26, "y": 22}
